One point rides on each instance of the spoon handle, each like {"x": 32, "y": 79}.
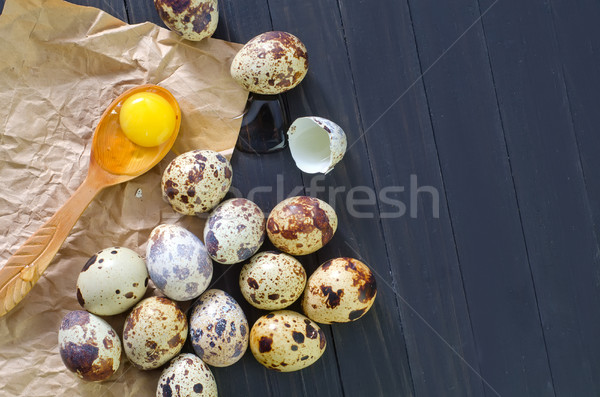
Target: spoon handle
{"x": 25, "y": 267}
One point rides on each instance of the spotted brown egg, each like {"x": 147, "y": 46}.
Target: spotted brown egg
{"x": 270, "y": 63}
{"x": 178, "y": 262}
{"x": 272, "y": 280}
{"x": 187, "y": 375}
{"x": 155, "y": 331}
{"x": 89, "y": 346}
{"x": 234, "y": 231}
{"x": 301, "y": 225}
{"x": 218, "y": 328}
{"x": 112, "y": 281}
{"x": 192, "y": 19}
{"x": 339, "y": 291}
{"x": 286, "y": 341}
{"x": 196, "y": 181}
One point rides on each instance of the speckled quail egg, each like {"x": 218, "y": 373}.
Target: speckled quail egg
{"x": 192, "y": 19}
{"x": 89, "y": 346}
{"x": 194, "y": 182}
{"x": 301, "y": 225}
{"x": 339, "y": 291}
{"x": 185, "y": 376}
{"x": 112, "y": 281}
{"x": 270, "y": 63}
{"x": 178, "y": 262}
{"x": 155, "y": 331}
{"x": 218, "y": 329}
{"x": 286, "y": 341}
{"x": 272, "y": 280}
{"x": 234, "y": 231}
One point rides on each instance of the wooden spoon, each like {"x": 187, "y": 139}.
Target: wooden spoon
{"x": 114, "y": 159}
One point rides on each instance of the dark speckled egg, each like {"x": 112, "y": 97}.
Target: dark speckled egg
{"x": 196, "y": 181}
{"x": 218, "y": 328}
{"x": 234, "y": 231}
{"x": 187, "y": 375}
{"x": 192, "y": 19}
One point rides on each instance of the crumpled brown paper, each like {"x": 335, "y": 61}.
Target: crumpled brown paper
{"x": 60, "y": 66}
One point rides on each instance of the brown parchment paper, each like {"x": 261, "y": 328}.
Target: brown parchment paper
{"x": 60, "y": 66}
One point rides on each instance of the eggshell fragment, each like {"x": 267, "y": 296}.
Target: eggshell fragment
{"x": 301, "y": 225}
{"x": 234, "y": 231}
{"x": 196, "y": 181}
{"x": 339, "y": 291}
{"x": 272, "y": 280}
{"x": 178, "y": 262}
{"x": 286, "y": 341}
{"x": 270, "y": 63}
{"x": 186, "y": 375}
{"x": 89, "y": 346}
{"x": 112, "y": 281}
{"x": 218, "y": 329}
{"x": 192, "y": 19}
{"x": 155, "y": 331}
{"x": 316, "y": 144}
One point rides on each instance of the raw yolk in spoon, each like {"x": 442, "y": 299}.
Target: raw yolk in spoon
{"x": 147, "y": 119}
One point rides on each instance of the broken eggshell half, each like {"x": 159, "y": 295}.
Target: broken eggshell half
{"x": 317, "y": 144}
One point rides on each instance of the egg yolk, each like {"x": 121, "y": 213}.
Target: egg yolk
{"x": 147, "y": 119}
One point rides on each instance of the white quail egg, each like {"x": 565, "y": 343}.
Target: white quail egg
{"x": 186, "y": 375}
{"x": 112, "y": 281}
{"x": 192, "y": 19}
{"x": 234, "y": 231}
{"x": 272, "y": 280}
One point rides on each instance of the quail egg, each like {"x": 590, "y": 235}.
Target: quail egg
{"x": 89, "y": 346}
{"x": 196, "y": 181}
{"x": 178, "y": 262}
{"x": 192, "y": 19}
{"x": 272, "y": 280}
{"x": 286, "y": 341}
{"x": 112, "y": 281}
{"x": 155, "y": 331}
{"x": 234, "y": 231}
{"x": 339, "y": 291}
{"x": 218, "y": 329}
{"x": 270, "y": 63}
{"x": 186, "y": 375}
{"x": 301, "y": 225}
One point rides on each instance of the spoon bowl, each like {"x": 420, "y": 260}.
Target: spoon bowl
{"x": 114, "y": 159}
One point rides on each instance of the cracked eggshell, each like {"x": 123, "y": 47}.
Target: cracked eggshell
{"x": 89, "y": 346}
{"x": 218, "y": 329}
{"x": 187, "y": 375}
{"x": 286, "y": 341}
{"x": 112, "y": 281}
{"x": 178, "y": 262}
{"x": 316, "y": 144}
{"x": 192, "y": 19}
{"x": 155, "y": 331}
{"x": 301, "y": 225}
{"x": 234, "y": 231}
{"x": 339, "y": 291}
{"x": 270, "y": 63}
{"x": 272, "y": 280}
{"x": 196, "y": 181}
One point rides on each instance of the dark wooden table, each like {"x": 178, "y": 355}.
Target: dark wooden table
{"x": 479, "y": 119}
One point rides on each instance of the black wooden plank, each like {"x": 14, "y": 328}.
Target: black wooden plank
{"x": 481, "y": 198}
{"x": 421, "y": 247}
{"x": 555, "y": 210}
{"x": 371, "y": 352}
